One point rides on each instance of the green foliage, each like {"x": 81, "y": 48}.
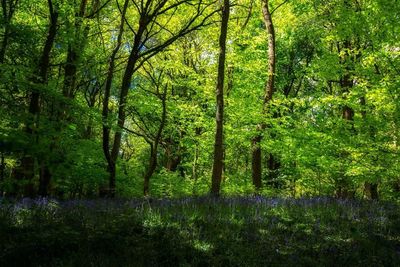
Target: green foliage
{"x": 316, "y": 151}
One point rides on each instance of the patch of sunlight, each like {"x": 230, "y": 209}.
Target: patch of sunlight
{"x": 20, "y": 216}
{"x": 202, "y": 245}
{"x": 338, "y": 239}
{"x": 152, "y": 219}
{"x": 263, "y": 231}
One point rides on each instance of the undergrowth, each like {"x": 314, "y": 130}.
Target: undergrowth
{"x": 235, "y": 231}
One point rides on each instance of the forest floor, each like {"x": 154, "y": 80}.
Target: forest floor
{"x": 203, "y": 231}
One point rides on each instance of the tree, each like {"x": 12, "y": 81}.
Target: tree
{"x": 39, "y": 78}
{"x": 144, "y": 47}
{"x": 269, "y": 91}
{"x": 219, "y": 117}
{"x": 8, "y": 8}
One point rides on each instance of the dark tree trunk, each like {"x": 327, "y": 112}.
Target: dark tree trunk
{"x": 68, "y": 90}
{"x": 26, "y": 169}
{"x": 8, "y": 8}
{"x": 44, "y": 182}
{"x": 173, "y": 163}
{"x": 371, "y": 189}
{"x": 172, "y": 154}
{"x": 154, "y": 146}
{"x": 219, "y": 134}
{"x": 4, "y": 43}
{"x": 75, "y": 47}
{"x": 2, "y": 167}
{"x": 273, "y": 165}
{"x": 44, "y": 66}
{"x": 126, "y": 82}
{"x": 111, "y": 164}
{"x": 256, "y": 162}
{"x": 346, "y": 83}
{"x": 150, "y": 170}
{"x": 148, "y": 10}
{"x": 269, "y": 91}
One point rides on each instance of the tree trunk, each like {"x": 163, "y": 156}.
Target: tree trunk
{"x": 4, "y": 43}
{"x": 346, "y": 83}
{"x": 256, "y": 162}
{"x": 150, "y": 170}
{"x": 154, "y": 147}
{"x": 195, "y": 160}
{"x": 2, "y": 167}
{"x": 44, "y": 182}
{"x": 172, "y": 154}
{"x": 8, "y": 7}
{"x": 111, "y": 164}
{"x": 273, "y": 165}
{"x": 126, "y": 82}
{"x": 269, "y": 91}
{"x": 148, "y": 10}
{"x": 73, "y": 55}
{"x": 219, "y": 134}
{"x": 371, "y": 189}
{"x": 26, "y": 171}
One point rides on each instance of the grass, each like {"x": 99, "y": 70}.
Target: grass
{"x": 235, "y": 231}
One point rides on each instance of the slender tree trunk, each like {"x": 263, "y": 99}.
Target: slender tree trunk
{"x": 219, "y": 134}
{"x": 150, "y": 170}
{"x": 45, "y": 174}
{"x": 44, "y": 180}
{"x": 8, "y": 8}
{"x": 371, "y": 189}
{"x": 111, "y": 164}
{"x": 256, "y": 162}
{"x": 273, "y": 165}
{"x": 126, "y": 82}
{"x": 68, "y": 87}
{"x": 269, "y": 91}
{"x": 172, "y": 154}
{"x": 148, "y": 10}
{"x": 2, "y": 171}
{"x": 4, "y": 42}
{"x": 28, "y": 161}
{"x": 195, "y": 160}
{"x": 75, "y": 48}
{"x": 154, "y": 146}
{"x": 346, "y": 83}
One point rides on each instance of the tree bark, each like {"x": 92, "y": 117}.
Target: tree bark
{"x": 27, "y": 166}
{"x": 346, "y": 83}
{"x": 2, "y": 171}
{"x": 8, "y": 7}
{"x": 154, "y": 146}
{"x": 219, "y": 134}
{"x": 126, "y": 82}
{"x": 371, "y": 189}
{"x": 149, "y": 10}
{"x": 44, "y": 180}
{"x": 269, "y": 91}
{"x": 73, "y": 55}
{"x": 111, "y": 164}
